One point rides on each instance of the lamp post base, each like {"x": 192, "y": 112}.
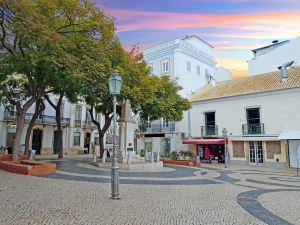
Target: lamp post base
{"x": 115, "y": 182}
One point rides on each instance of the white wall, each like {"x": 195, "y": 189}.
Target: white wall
{"x": 222, "y": 74}
{"x": 269, "y": 62}
{"x": 190, "y": 81}
{"x": 278, "y": 112}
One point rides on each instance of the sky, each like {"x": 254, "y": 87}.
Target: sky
{"x": 233, "y": 27}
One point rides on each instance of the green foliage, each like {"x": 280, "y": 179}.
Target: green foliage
{"x": 174, "y": 155}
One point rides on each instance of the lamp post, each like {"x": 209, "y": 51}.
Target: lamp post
{"x": 224, "y": 132}
{"x": 115, "y": 83}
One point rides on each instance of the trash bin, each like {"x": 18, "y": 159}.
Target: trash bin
{"x": 31, "y": 154}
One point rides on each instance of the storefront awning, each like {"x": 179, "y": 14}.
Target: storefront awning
{"x": 289, "y": 135}
{"x": 205, "y": 141}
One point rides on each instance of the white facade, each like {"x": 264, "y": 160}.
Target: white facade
{"x": 74, "y": 124}
{"x": 277, "y": 111}
{"x": 269, "y": 58}
{"x": 189, "y": 60}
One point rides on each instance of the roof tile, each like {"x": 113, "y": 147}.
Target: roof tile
{"x": 248, "y": 85}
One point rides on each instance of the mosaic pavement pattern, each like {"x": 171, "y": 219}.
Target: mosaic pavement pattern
{"x": 79, "y": 194}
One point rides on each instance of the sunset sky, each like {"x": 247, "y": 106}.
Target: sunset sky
{"x": 233, "y": 27}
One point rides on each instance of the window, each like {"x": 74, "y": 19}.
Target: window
{"x": 96, "y": 139}
{"x": 188, "y": 66}
{"x": 198, "y": 70}
{"x": 78, "y": 113}
{"x": 253, "y": 126}
{"x": 206, "y": 72}
{"x": 253, "y": 116}
{"x": 165, "y": 123}
{"x": 88, "y": 115}
{"x": 165, "y": 66}
{"x": 76, "y": 140}
{"x": 210, "y": 123}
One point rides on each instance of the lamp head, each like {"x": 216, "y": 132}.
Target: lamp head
{"x": 115, "y": 83}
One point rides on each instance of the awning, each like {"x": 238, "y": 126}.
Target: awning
{"x": 216, "y": 141}
{"x": 289, "y": 135}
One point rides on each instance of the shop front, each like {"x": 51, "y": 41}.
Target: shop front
{"x": 209, "y": 150}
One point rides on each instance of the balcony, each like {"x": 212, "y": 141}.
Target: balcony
{"x": 209, "y": 130}
{"x": 42, "y": 119}
{"x": 77, "y": 123}
{"x": 258, "y": 128}
{"x": 158, "y": 128}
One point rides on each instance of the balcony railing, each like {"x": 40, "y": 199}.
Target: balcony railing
{"x": 77, "y": 123}
{"x": 11, "y": 116}
{"x": 209, "y": 130}
{"x": 157, "y": 128}
{"x": 258, "y": 128}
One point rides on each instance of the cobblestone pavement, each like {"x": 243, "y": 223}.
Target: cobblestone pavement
{"x": 79, "y": 194}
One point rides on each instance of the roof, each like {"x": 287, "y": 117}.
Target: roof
{"x": 194, "y": 36}
{"x": 268, "y": 46}
{"x": 266, "y": 82}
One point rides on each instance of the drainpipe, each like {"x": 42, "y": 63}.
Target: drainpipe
{"x": 283, "y": 71}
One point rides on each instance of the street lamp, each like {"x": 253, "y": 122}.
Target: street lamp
{"x": 115, "y": 83}
{"x": 224, "y": 132}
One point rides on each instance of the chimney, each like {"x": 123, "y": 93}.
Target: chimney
{"x": 283, "y": 71}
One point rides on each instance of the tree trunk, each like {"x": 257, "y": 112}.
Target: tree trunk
{"x": 38, "y": 109}
{"x": 59, "y": 133}
{"x": 58, "y": 123}
{"x": 102, "y": 131}
{"x": 20, "y": 124}
{"x": 101, "y": 144}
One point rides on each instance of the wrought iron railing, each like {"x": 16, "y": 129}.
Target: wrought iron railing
{"x": 209, "y": 130}
{"x": 77, "y": 123}
{"x": 258, "y": 128}
{"x": 157, "y": 127}
{"x": 11, "y": 116}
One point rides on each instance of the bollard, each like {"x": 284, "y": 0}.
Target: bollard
{"x": 104, "y": 156}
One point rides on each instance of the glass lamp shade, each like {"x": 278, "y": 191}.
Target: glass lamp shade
{"x": 224, "y": 132}
{"x": 115, "y": 83}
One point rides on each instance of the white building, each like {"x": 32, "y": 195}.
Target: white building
{"x": 269, "y": 58}
{"x": 78, "y": 130}
{"x": 191, "y": 62}
{"x": 260, "y": 113}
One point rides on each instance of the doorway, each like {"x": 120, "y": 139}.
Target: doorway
{"x": 87, "y": 140}
{"x": 56, "y": 143}
{"x": 256, "y": 153}
{"x": 166, "y": 147}
{"x": 37, "y": 140}
{"x": 10, "y": 138}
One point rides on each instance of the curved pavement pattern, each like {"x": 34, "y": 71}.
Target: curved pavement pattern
{"x": 79, "y": 194}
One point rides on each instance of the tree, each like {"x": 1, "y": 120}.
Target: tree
{"x": 150, "y": 96}
{"x": 30, "y": 50}
{"x": 41, "y": 40}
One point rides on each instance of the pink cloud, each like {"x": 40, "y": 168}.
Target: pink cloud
{"x": 283, "y": 23}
